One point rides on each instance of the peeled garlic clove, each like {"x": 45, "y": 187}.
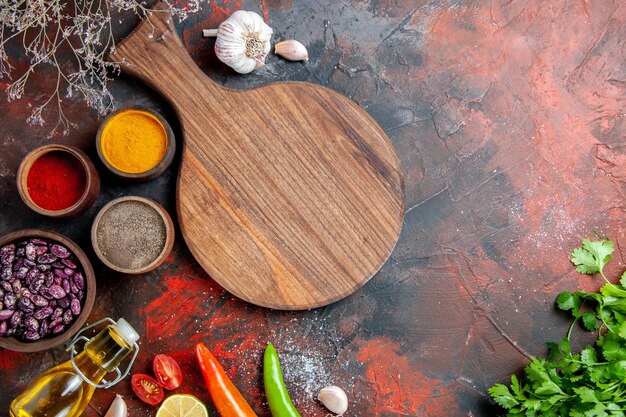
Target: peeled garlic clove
{"x": 291, "y": 50}
{"x": 334, "y": 398}
{"x": 118, "y": 408}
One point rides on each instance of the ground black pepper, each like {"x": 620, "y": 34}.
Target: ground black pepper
{"x": 131, "y": 234}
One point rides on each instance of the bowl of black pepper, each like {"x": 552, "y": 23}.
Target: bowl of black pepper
{"x": 132, "y": 235}
{"x": 47, "y": 290}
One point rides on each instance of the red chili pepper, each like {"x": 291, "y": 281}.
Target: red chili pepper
{"x": 225, "y": 395}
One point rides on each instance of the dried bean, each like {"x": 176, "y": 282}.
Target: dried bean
{"x": 44, "y": 267}
{"x": 6, "y": 286}
{"x": 6, "y": 314}
{"x": 25, "y": 305}
{"x": 9, "y": 301}
{"x": 31, "y": 252}
{"x": 20, "y": 252}
{"x": 39, "y": 301}
{"x": 16, "y": 319}
{"x": 69, "y": 271}
{"x": 45, "y": 292}
{"x": 41, "y": 250}
{"x": 55, "y": 322}
{"x": 6, "y": 273}
{"x": 46, "y": 258}
{"x": 58, "y": 265}
{"x": 42, "y": 313}
{"x": 56, "y": 291}
{"x": 26, "y": 293}
{"x": 43, "y": 328}
{"x": 37, "y": 286}
{"x": 32, "y": 324}
{"x": 57, "y": 313}
{"x": 80, "y": 294}
{"x": 65, "y": 284}
{"x": 31, "y": 275}
{"x": 3, "y": 328}
{"x": 21, "y": 273}
{"x": 58, "y": 329}
{"x": 64, "y": 302}
{"x": 29, "y": 264}
{"x": 10, "y": 248}
{"x": 53, "y": 304}
{"x": 79, "y": 280}
{"x": 17, "y": 286}
{"x": 73, "y": 288}
{"x": 60, "y": 273}
{"x": 38, "y": 242}
{"x": 69, "y": 263}
{"x": 75, "y": 306}
{"x": 7, "y": 259}
{"x": 10, "y": 332}
{"x": 48, "y": 278}
{"x": 32, "y": 335}
{"x": 1, "y": 292}
{"x": 67, "y": 317}
{"x": 18, "y": 264}
{"x": 57, "y": 281}
{"x": 59, "y": 251}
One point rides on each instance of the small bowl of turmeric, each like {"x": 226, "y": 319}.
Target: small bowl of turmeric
{"x": 136, "y": 143}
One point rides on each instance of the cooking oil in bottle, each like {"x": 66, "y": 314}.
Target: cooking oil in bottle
{"x": 61, "y": 391}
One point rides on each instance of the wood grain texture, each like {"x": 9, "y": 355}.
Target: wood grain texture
{"x": 289, "y": 195}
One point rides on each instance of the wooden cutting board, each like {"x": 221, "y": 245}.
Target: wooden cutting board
{"x": 289, "y": 195}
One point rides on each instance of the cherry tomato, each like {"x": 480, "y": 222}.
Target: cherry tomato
{"x": 167, "y": 371}
{"x": 147, "y": 389}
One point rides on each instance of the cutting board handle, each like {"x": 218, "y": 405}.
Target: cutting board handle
{"x": 154, "y": 53}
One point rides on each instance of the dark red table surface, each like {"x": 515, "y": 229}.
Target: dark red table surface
{"x": 508, "y": 120}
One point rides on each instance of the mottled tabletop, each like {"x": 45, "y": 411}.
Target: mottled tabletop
{"x": 508, "y": 118}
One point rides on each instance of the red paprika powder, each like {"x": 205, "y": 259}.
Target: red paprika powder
{"x": 56, "y": 181}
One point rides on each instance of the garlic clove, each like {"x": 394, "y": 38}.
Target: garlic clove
{"x": 334, "y": 398}
{"x": 292, "y": 50}
{"x": 118, "y": 408}
{"x": 243, "y": 41}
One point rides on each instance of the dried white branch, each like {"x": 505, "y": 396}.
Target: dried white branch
{"x": 47, "y": 28}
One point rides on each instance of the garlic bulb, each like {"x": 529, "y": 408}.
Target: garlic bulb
{"x": 334, "y": 398}
{"x": 291, "y": 50}
{"x": 243, "y": 41}
{"x": 118, "y": 408}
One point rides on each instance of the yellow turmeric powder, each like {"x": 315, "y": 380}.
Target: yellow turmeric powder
{"x": 133, "y": 141}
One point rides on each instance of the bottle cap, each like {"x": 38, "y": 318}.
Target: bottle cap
{"x": 126, "y": 331}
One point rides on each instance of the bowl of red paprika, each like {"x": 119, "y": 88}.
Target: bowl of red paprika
{"x": 58, "y": 181}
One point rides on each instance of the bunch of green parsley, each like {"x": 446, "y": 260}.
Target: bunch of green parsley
{"x": 589, "y": 383}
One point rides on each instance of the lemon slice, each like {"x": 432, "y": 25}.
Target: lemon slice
{"x": 182, "y": 405}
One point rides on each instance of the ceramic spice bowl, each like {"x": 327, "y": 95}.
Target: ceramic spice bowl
{"x": 136, "y": 143}
{"x": 132, "y": 235}
{"x": 58, "y": 181}
{"x": 47, "y": 288}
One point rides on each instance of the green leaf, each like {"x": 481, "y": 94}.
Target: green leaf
{"x": 568, "y": 301}
{"x": 589, "y": 321}
{"x": 501, "y": 394}
{"x": 584, "y": 261}
{"x": 548, "y": 388}
{"x": 621, "y": 331}
{"x": 586, "y": 394}
{"x": 535, "y": 371}
{"x": 613, "y": 290}
{"x": 593, "y": 255}
{"x": 516, "y": 387}
{"x": 588, "y": 356}
{"x": 612, "y": 349}
{"x": 622, "y": 280}
{"x": 616, "y": 303}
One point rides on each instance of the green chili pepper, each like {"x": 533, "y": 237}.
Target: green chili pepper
{"x": 275, "y": 389}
